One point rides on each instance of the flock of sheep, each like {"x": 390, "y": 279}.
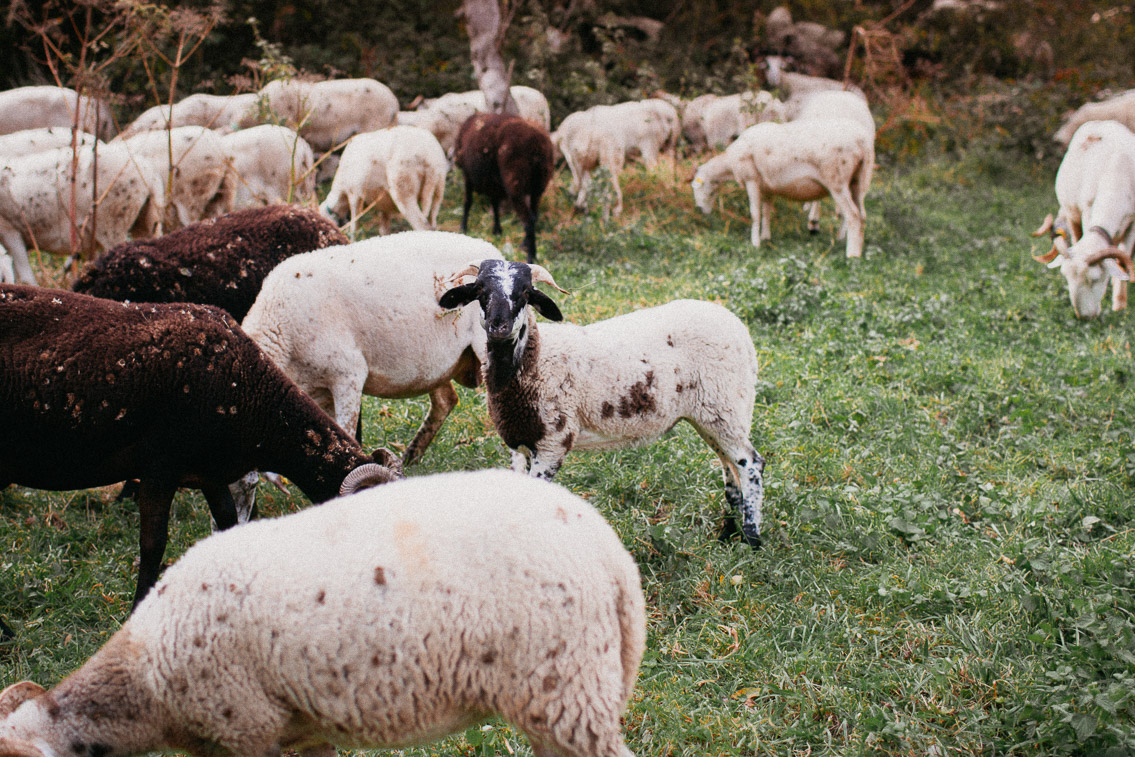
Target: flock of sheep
{"x": 399, "y": 613}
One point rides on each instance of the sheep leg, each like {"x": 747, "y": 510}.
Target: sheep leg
{"x": 222, "y": 506}
{"x": 154, "y": 500}
{"x": 813, "y": 210}
{"x": 354, "y": 203}
{"x": 581, "y": 196}
{"x": 760, "y": 221}
{"x": 1118, "y": 294}
{"x": 243, "y": 492}
{"x": 845, "y": 204}
{"x": 526, "y": 210}
{"x": 442, "y": 401}
{"x": 14, "y": 245}
{"x": 496, "y": 216}
{"x": 465, "y": 209}
{"x": 518, "y": 461}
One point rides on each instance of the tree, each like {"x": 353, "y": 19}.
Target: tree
{"x": 486, "y": 32}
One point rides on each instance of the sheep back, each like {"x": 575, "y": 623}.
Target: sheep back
{"x": 221, "y": 262}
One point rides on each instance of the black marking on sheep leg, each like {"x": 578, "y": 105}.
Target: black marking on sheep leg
{"x": 750, "y": 505}
{"x": 729, "y": 529}
{"x": 154, "y": 500}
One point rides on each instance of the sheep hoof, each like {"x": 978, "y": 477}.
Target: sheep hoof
{"x": 813, "y": 232}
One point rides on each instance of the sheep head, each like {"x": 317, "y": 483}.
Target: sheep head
{"x": 704, "y": 189}
{"x": 1088, "y": 266}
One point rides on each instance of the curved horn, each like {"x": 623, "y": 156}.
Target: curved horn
{"x": 472, "y": 269}
{"x": 1121, "y": 257}
{"x": 540, "y": 274}
{"x": 1044, "y": 227}
{"x": 1047, "y": 257}
{"x": 364, "y": 477}
{"x": 16, "y": 694}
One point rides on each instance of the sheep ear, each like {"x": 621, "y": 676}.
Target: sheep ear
{"x": 16, "y": 694}
{"x": 544, "y": 305}
{"x": 459, "y": 296}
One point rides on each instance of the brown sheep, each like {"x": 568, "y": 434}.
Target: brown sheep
{"x": 505, "y": 157}
{"x": 175, "y": 395}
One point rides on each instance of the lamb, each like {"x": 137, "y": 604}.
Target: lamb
{"x": 443, "y": 116}
{"x": 35, "y": 197}
{"x": 30, "y": 141}
{"x": 606, "y": 135}
{"x": 43, "y": 106}
{"x": 270, "y": 164}
{"x": 1120, "y": 108}
{"x": 194, "y": 167}
{"x": 220, "y": 113}
{"x": 171, "y": 394}
{"x": 800, "y": 160}
{"x": 221, "y": 262}
{"x": 615, "y": 383}
{"x": 363, "y": 622}
{"x": 1095, "y": 227}
{"x": 363, "y": 318}
{"x": 325, "y": 113}
{"x": 506, "y": 157}
{"x": 401, "y": 169}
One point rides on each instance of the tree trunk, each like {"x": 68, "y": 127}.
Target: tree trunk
{"x": 483, "y": 22}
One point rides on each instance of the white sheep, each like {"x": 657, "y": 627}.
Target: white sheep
{"x": 1120, "y": 108}
{"x": 724, "y": 118}
{"x": 270, "y": 164}
{"x": 1095, "y": 226}
{"x": 443, "y": 116}
{"x": 362, "y": 318}
{"x": 693, "y": 125}
{"x": 42, "y": 106}
{"x": 391, "y": 617}
{"x": 606, "y": 135}
{"x": 797, "y": 85}
{"x": 220, "y": 113}
{"x": 194, "y": 166}
{"x": 28, "y": 141}
{"x": 325, "y": 113}
{"x": 800, "y": 160}
{"x": 35, "y": 203}
{"x": 615, "y": 383}
{"x": 397, "y": 170}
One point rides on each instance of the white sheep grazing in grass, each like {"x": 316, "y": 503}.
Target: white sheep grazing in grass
{"x": 605, "y": 136}
{"x": 615, "y": 383}
{"x": 1120, "y": 108}
{"x": 693, "y": 123}
{"x": 35, "y": 203}
{"x": 221, "y": 113}
{"x": 270, "y": 164}
{"x": 42, "y": 106}
{"x": 362, "y": 319}
{"x": 193, "y": 164}
{"x": 443, "y": 116}
{"x": 1095, "y": 226}
{"x": 800, "y": 160}
{"x": 726, "y": 117}
{"x": 29, "y": 141}
{"x": 397, "y": 170}
{"x": 391, "y": 617}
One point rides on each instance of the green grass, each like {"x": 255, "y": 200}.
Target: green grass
{"x": 948, "y": 563}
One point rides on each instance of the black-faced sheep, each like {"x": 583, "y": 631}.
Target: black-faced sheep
{"x": 391, "y": 617}
{"x": 363, "y": 318}
{"x": 505, "y": 157}
{"x": 616, "y": 383}
{"x": 222, "y": 261}
{"x": 172, "y": 395}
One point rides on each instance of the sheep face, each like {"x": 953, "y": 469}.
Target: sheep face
{"x": 1087, "y": 283}
{"x": 703, "y": 192}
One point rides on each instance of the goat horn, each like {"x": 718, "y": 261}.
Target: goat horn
{"x": 1044, "y": 227}
{"x": 364, "y": 477}
{"x": 1048, "y": 257}
{"x": 1116, "y": 254}
{"x": 470, "y": 270}
{"x": 540, "y": 274}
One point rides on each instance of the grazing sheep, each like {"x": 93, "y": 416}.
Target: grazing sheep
{"x": 221, "y": 113}
{"x": 1120, "y": 108}
{"x": 172, "y": 395}
{"x": 194, "y": 166}
{"x": 616, "y": 383}
{"x": 443, "y": 116}
{"x": 363, "y": 318}
{"x": 606, "y": 135}
{"x": 42, "y": 106}
{"x": 270, "y": 164}
{"x": 397, "y": 170}
{"x": 29, "y": 141}
{"x": 800, "y": 160}
{"x": 726, "y": 117}
{"x": 506, "y": 157}
{"x": 35, "y": 203}
{"x": 1095, "y": 226}
{"x": 693, "y": 123}
{"x": 221, "y": 262}
{"x": 800, "y": 85}
{"x": 325, "y": 113}
{"x": 391, "y": 617}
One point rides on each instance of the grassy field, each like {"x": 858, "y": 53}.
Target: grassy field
{"x": 947, "y": 564}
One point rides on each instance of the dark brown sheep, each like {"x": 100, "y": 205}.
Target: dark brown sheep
{"x": 505, "y": 157}
{"x": 93, "y": 392}
{"x": 222, "y": 261}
